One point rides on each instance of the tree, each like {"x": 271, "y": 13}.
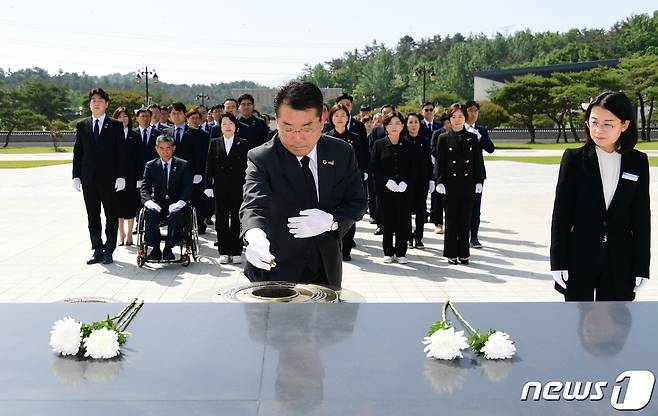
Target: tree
{"x": 56, "y": 129}
{"x": 569, "y": 97}
{"x": 527, "y": 96}
{"x": 46, "y": 98}
{"x": 642, "y": 74}
{"x": 492, "y": 115}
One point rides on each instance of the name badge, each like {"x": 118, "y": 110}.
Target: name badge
{"x": 630, "y": 176}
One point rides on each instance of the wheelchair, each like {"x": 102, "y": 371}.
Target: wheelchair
{"x": 188, "y": 243}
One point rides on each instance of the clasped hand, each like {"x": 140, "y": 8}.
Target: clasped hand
{"x": 396, "y": 187}
{"x": 310, "y": 222}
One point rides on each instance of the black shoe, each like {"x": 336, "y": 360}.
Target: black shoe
{"x": 463, "y": 261}
{"x": 209, "y": 221}
{"x": 379, "y": 231}
{"x": 347, "y": 257}
{"x": 154, "y": 255}
{"x": 410, "y": 243}
{"x": 107, "y": 258}
{"x": 97, "y": 257}
{"x": 419, "y": 244}
{"x": 167, "y": 254}
{"x": 476, "y": 244}
{"x": 215, "y": 244}
{"x": 452, "y": 261}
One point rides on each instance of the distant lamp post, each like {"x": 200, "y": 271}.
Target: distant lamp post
{"x": 145, "y": 74}
{"x": 424, "y": 71}
{"x": 203, "y": 97}
{"x": 369, "y": 99}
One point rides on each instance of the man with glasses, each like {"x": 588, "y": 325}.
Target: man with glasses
{"x": 303, "y": 192}
{"x": 473, "y": 109}
{"x": 252, "y": 128}
{"x": 429, "y": 125}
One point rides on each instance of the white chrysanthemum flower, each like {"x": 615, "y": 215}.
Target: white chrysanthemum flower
{"x": 445, "y": 344}
{"x": 498, "y": 347}
{"x": 65, "y": 336}
{"x": 102, "y": 343}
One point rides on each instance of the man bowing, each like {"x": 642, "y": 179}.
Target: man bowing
{"x": 99, "y": 171}
{"x": 303, "y": 192}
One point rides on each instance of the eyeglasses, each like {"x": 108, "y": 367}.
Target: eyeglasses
{"x": 290, "y": 130}
{"x": 600, "y": 126}
{"x": 473, "y": 110}
{"x": 427, "y": 110}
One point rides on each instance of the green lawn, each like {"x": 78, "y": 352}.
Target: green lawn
{"x": 559, "y": 146}
{"x": 34, "y": 149}
{"x": 546, "y": 160}
{"x": 21, "y": 164}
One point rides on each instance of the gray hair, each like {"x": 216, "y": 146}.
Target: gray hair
{"x": 164, "y": 138}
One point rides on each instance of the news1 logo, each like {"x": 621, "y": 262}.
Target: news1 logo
{"x": 637, "y": 393}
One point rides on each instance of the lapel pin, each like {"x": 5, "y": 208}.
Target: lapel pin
{"x": 327, "y": 162}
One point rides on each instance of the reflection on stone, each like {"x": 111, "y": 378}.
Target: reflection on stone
{"x": 72, "y": 371}
{"x": 604, "y": 327}
{"x": 495, "y": 370}
{"x": 446, "y": 377}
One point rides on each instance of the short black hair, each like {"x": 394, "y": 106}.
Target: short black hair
{"x": 344, "y": 96}
{"x": 619, "y": 105}
{"x": 428, "y": 103}
{"x": 300, "y": 95}
{"x": 471, "y": 103}
{"x": 199, "y": 106}
{"x": 231, "y": 117}
{"x": 231, "y": 99}
{"x": 394, "y": 114}
{"x": 365, "y": 108}
{"x": 153, "y": 106}
{"x": 192, "y": 112}
{"x": 247, "y": 97}
{"x": 143, "y": 110}
{"x": 387, "y": 105}
{"x": 178, "y": 106}
{"x": 100, "y": 92}
{"x": 219, "y": 107}
{"x": 166, "y": 108}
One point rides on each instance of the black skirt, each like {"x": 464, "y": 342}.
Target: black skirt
{"x": 127, "y": 201}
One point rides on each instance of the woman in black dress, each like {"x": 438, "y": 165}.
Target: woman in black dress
{"x": 600, "y": 233}
{"x": 459, "y": 175}
{"x": 225, "y": 176}
{"x": 425, "y": 183}
{"x": 394, "y": 164}
{"x": 338, "y": 117}
{"x": 127, "y": 198}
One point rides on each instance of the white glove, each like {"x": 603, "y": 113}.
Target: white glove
{"x": 473, "y": 130}
{"x": 391, "y": 185}
{"x": 441, "y": 189}
{"x": 197, "y": 179}
{"x": 432, "y": 187}
{"x": 478, "y": 188}
{"x": 402, "y": 186}
{"x": 209, "y": 193}
{"x": 150, "y": 204}
{"x": 639, "y": 282}
{"x": 560, "y": 277}
{"x": 433, "y": 159}
{"x": 119, "y": 184}
{"x": 258, "y": 249}
{"x": 139, "y": 184}
{"x": 77, "y": 184}
{"x": 311, "y": 222}
{"x": 365, "y": 176}
{"x": 177, "y": 206}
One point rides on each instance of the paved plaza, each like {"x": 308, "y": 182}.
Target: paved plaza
{"x": 45, "y": 243}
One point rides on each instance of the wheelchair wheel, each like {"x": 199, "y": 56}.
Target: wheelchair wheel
{"x": 140, "y": 260}
{"x": 185, "y": 260}
{"x": 194, "y": 237}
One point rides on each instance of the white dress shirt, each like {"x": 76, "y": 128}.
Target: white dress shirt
{"x": 228, "y": 143}
{"x": 610, "y": 168}
{"x": 100, "y": 119}
{"x": 141, "y": 133}
{"x": 125, "y": 132}
{"x": 313, "y": 166}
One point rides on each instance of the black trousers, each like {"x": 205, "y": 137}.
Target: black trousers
{"x": 436, "y": 210}
{"x": 94, "y": 195}
{"x": 419, "y": 209}
{"x": 599, "y": 284}
{"x": 175, "y": 221}
{"x": 200, "y": 204}
{"x": 373, "y": 202}
{"x": 396, "y": 217}
{"x": 475, "y": 217}
{"x": 458, "y": 220}
{"x": 227, "y": 225}
{"x": 348, "y": 240}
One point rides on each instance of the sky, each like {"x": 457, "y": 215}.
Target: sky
{"x": 268, "y": 42}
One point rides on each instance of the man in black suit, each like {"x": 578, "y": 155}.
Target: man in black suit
{"x": 252, "y": 128}
{"x": 429, "y": 125}
{"x": 353, "y": 125}
{"x": 192, "y": 146}
{"x": 155, "y": 117}
{"x": 99, "y": 170}
{"x": 373, "y": 204}
{"x": 147, "y": 135}
{"x": 303, "y": 192}
{"x": 166, "y": 190}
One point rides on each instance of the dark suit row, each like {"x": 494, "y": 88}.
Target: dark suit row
{"x": 425, "y": 174}
{"x": 127, "y": 198}
{"x": 601, "y": 248}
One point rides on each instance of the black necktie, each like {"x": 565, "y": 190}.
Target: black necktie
{"x": 165, "y": 177}
{"x": 310, "y": 194}
{"x": 97, "y": 132}
{"x": 178, "y": 136}
{"x": 145, "y": 139}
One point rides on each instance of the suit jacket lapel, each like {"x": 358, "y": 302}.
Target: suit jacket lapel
{"x": 222, "y": 148}
{"x": 292, "y": 170}
{"x": 594, "y": 175}
{"x": 326, "y": 163}
{"x": 623, "y": 185}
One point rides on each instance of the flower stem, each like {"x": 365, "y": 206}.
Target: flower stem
{"x": 123, "y": 324}
{"x": 461, "y": 318}
{"x": 444, "y": 309}
{"x": 123, "y": 311}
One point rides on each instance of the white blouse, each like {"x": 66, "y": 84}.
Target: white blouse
{"x": 610, "y": 168}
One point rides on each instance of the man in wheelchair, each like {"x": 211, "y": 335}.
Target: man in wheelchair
{"x": 166, "y": 190}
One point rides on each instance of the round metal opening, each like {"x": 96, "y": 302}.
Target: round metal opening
{"x": 275, "y": 293}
